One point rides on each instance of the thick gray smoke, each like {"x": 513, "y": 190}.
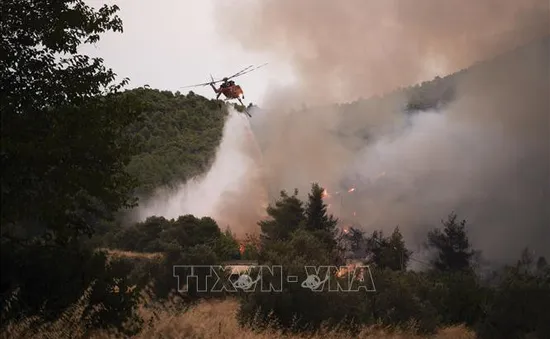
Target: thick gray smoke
{"x": 234, "y": 173}
{"x": 344, "y": 50}
{"x": 485, "y": 156}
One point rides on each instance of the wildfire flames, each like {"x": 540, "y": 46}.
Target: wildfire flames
{"x": 241, "y": 249}
{"x": 326, "y": 194}
{"x": 351, "y": 268}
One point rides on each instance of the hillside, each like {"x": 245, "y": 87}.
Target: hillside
{"x": 176, "y": 137}
{"x": 433, "y": 94}
{"x": 476, "y": 142}
{"x": 349, "y": 128}
{"x": 177, "y": 134}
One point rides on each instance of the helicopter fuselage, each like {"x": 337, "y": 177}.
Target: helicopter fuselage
{"x": 230, "y": 92}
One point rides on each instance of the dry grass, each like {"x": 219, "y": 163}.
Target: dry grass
{"x": 69, "y": 324}
{"x": 217, "y": 319}
{"x": 208, "y": 319}
{"x": 131, "y": 255}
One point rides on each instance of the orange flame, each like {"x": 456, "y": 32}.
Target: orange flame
{"x": 351, "y": 190}
{"x": 241, "y": 249}
{"x": 325, "y": 193}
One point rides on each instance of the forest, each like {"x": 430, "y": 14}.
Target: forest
{"x": 79, "y": 150}
{"x": 175, "y": 137}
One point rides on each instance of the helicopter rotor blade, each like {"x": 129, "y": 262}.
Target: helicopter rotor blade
{"x": 239, "y": 73}
{"x": 197, "y": 85}
{"x": 245, "y": 71}
{"x": 204, "y": 83}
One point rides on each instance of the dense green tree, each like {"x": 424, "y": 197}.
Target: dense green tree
{"x": 285, "y": 217}
{"x": 401, "y": 298}
{"x": 187, "y": 240}
{"x": 397, "y": 256}
{"x": 157, "y": 234}
{"x": 289, "y": 215}
{"x": 296, "y": 237}
{"x": 518, "y": 305}
{"x": 316, "y": 211}
{"x": 252, "y": 245}
{"x": 388, "y": 252}
{"x": 188, "y": 230}
{"x": 41, "y": 67}
{"x": 376, "y": 244}
{"x": 227, "y": 246}
{"x": 63, "y": 160}
{"x": 176, "y": 137}
{"x": 302, "y": 248}
{"x": 317, "y": 220}
{"x": 293, "y": 308}
{"x": 357, "y": 241}
{"x": 458, "y": 297}
{"x": 143, "y": 236}
{"x": 64, "y": 155}
{"x": 453, "y": 249}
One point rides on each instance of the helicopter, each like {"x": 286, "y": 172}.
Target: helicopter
{"x": 228, "y": 87}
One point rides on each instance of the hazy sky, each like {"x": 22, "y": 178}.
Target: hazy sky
{"x": 168, "y": 44}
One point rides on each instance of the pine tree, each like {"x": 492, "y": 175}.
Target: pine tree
{"x": 396, "y": 256}
{"x": 317, "y": 220}
{"x": 316, "y": 211}
{"x": 389, "y": 252}
{"x": 454, "y": 252}
{"x": 356, "y": 242}
{"x": 286, "y": 216}
{"x": 376, "y": 243}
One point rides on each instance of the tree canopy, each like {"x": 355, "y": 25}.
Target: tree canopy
{"x": 453, "y": 249}
{"x": 175, "y": 137}
{"x": 64, "y": 157}
{"x": 63, "y": 160}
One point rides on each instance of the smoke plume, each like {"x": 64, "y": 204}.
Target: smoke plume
{"x": 345, "y": 50}
{"x": 234, "y": 174}
{"x": 485, "y": 155}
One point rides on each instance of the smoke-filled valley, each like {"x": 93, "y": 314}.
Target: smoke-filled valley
{"x": 484, "y": 154}
{"x": 479, "y": 146}
{"x": 476, "y": 142}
